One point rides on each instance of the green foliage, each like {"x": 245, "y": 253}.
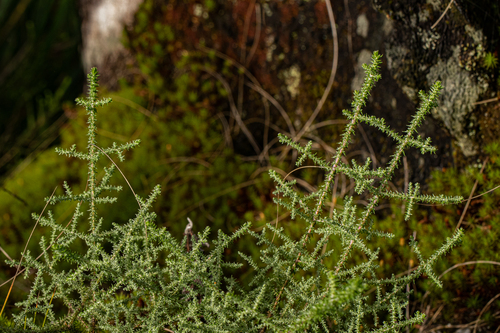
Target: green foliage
{"x": 490, "y": 61}
{"x": 478, "y": 282}
{"x": 188, "y": 142}
{"x": 137, "y": 276}
{"x": 182, "y": 150}
{"x": 466, "y": 286}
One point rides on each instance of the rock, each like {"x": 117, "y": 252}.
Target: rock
{"x": 103, "y": 22}
{"x": 420, "y": 52}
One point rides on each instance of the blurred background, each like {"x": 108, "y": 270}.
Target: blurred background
{"x": 207, "y": 85}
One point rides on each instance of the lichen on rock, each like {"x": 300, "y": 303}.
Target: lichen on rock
{"x": 420, "y": 52}
{"x": 363, "y": 58}
{"x": 292, "y": 80}
{"x": 460, "y": 91}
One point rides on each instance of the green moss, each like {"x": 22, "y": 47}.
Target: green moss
{"x": 490, "y": 61}
{"x": 469, "y": 286}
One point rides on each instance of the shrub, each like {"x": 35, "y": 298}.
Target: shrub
{"x": 138, "y": 276}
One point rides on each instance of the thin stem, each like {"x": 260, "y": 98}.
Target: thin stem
{"x": 470, "y": 196}
{"x": 24, "y": 251}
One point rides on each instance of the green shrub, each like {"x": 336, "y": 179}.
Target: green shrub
{"x": 473, "y": 281}
{"x": 200, "y": 177}
{"x": 138, "y": 276}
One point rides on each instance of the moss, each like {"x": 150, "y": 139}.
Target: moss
{"x": 467, "y": 287}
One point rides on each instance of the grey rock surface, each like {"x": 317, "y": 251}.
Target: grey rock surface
{"x": 102, "y": 27}
{"x": 420, "y": 52}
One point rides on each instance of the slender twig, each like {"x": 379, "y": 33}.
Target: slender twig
{"x": 299, "y": 181}
{"x": 281, "y": 217}
{"x": 266, "y": 149}
{"x": 243, "y": 44}
{"x": 328, "y": 123}
{"x": 276, "y": 104}
{"x": 186, "y": 160}
{"x": 267, "y": 125}
{"x": 349, "y": 28}
{"x": 448, "y": 326}
{"x": 47, "y": 312}
{"x": 442, "y": 15}
{"x": 24, "y": 251}
{"x": 469, "y": 263}
{"x": 408, "y": 284}
{"x": 15, "y": 196}
{"x": 487, "y": 101}
{"x": 426, "y": 315}
{"x": 272, "y": 126}
{"x": 302, "y": 182}
{"x": 484, "y": 309}
{"x": 227, "y": 131}
{"x": 332, "y": 206}
{"x": 39, "y": 149}
{"x": 369, "y": 145}
{"x": 256, "y": 39}
{"x": 470, "y": 196}
{"x": 5, "y": 253}
{"x": 436, "y": 314}
{"x": 234, "y": 109}
{"x": 218, "y": 194}
{"x": 36, "y": 307}
{"x": 134, "y": 106}
{"x": 480, "y": 195}
{"x": 255, "y": 85}
{"x": 130, "y": 186}
{"x": 44, "y": 251}
{"x": 427, "y": 293}
{"x": 406, "y": 181}
{"x": 333, "y": 72}
{"x": 243, "y": 51}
